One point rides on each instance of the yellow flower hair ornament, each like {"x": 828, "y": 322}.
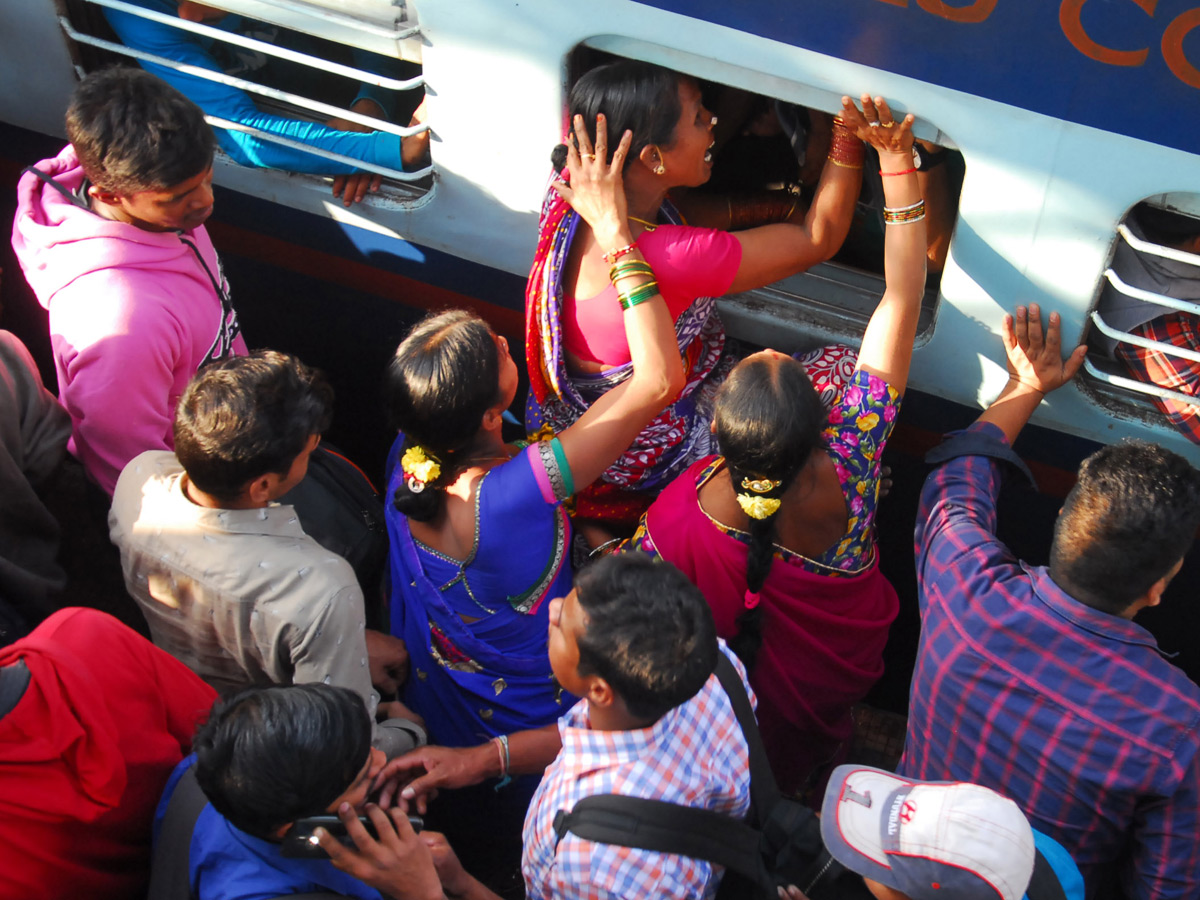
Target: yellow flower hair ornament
{"x": 419, "y": 469}
{"x": 758, "y": 507}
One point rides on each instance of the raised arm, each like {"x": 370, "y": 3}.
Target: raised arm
{"x": 771, "y": 252}
{"x": 887, "y": 344}
{"x": 1035, "y": 368}
{"x": 605, "y": 431}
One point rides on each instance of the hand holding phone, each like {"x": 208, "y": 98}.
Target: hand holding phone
{"x": 397, "y": 862}
{"x": 301, "y": 843}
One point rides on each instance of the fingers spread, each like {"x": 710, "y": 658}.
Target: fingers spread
{"x": 1054, "y": 335}
{"x": 1074, "y": 363}
{"x": 1009, "y": 334}
{"x": 404, "y": 828}
{"x": 581, "y": 137}
{"x": 1022, "y": 328}
{"x": 618, "y": 159}
{"x": 1036, "y": 340}
{"x": 601, "y": 137}
{"x": 868, "y": 108}
{"x": 359, "y": 834}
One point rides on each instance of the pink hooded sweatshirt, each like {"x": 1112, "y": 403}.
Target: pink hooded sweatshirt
{"x": 133, "y": 315}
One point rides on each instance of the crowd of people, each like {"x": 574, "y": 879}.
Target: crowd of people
{"x": 556, "y": 607}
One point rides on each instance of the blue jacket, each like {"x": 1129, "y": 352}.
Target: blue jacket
{"x": 227, "y": 864}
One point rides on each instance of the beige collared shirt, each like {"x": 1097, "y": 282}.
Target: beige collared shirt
{"x": 241, "y": 596}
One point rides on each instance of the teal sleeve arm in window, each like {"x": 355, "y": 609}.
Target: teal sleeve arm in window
{"x": 227, "y": 102}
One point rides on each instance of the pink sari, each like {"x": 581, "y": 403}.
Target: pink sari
{"x": 823, "y": 637}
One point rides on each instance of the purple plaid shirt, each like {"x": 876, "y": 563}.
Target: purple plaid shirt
{"x": 1072, "y": 712}
{"x": 695, "y": 755}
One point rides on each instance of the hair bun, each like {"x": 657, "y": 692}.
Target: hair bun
{"x": 558, "y": 158}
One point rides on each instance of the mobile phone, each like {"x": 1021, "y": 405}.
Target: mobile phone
{"x": 301, "y": 843}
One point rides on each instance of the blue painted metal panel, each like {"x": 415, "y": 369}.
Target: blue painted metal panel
{"x": 1129, "y": 66}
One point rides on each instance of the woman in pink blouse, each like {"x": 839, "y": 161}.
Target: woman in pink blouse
{"x": 575, "y": 345}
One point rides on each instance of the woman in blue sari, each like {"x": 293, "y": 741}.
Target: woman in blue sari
{"x": 479, "y": 537}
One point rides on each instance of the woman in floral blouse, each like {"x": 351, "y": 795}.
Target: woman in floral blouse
{"x": 778, "y": 531}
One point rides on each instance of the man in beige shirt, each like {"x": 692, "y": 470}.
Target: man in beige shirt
{"x": 227, "y": 578}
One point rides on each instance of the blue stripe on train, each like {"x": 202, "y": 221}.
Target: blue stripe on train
{"x": 1110, "y": 65}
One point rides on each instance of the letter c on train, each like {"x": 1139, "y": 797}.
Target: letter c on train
{"x": 1072, "y": 26}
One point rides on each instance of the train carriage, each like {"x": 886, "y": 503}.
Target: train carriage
{"x": 1066, "y": 115}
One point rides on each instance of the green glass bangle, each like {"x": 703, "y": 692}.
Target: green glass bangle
{"x": 639, "y": 294}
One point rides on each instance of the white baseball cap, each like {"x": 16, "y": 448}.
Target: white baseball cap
{"x": 931, "y": 840}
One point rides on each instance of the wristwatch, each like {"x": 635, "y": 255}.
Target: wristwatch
{"x": 924, "y": 160}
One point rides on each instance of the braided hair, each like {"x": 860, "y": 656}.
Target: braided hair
{"x": 769, "y": 421}
{"x": 443, "y": 378}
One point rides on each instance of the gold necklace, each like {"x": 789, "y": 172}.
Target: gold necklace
{"x": 649, "y": 225}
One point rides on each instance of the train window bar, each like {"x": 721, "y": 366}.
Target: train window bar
{"x": 1140, "y": 387}
{"x": 296, "y": 56}
{"x": 1119, "y": 285}
{"x": 255, "y": 88}
{"x": 343, "y": 14}
{"x": 1126, "y": 338}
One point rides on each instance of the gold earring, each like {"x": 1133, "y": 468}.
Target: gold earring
{"x": 660, "y": 169}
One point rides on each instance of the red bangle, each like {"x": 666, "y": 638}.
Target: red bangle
{"x": 902, "y": 172}
{"x": 613, "y": 255}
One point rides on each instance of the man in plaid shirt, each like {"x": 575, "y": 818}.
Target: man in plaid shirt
{"x": 636, "y": 641}
{"x": 1035, "y": 681}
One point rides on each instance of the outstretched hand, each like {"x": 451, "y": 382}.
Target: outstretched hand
{"x": 1035, "y": 357}
{"x": 412, "y": 780}
{"x": 596, "y": 190}
{"x": 877, "y": 126}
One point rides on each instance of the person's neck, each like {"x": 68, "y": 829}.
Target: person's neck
{"x": 115, "y": 213}
{"x": 643, "y": 198}
{"x": 614, "y": 718}
{"x": 208, "y": 501}
{"x": 488, "y": 448}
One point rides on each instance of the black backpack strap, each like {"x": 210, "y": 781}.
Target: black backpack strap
{"x": 58, "y": 187}
{"x": 664, "y": 827}
{"x": 764, "y": 789}
{"x": 169, "y": 879}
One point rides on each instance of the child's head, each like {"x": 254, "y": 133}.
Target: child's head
{"x": 268, "y": 756}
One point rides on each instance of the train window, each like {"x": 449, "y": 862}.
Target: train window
{"x": 1144, "y": 348}
{"x": 768, "y": 147}
{"x": 268, "y": 75}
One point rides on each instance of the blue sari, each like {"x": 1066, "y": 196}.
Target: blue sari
{"x": 476, "y": 628}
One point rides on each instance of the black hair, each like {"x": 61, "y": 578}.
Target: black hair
{"x": 268, "y": 756}
{"x": 246, "y": 416}
{"x": 650, "y": 633}
{"x": 1129, "y": 519}
{"x": 1162, "y": 226}
{"x": 769, "y": 420}
{"x": 444, "y": 376}
{"x": 634, "y": 96}
{"x": 134, "y": 132}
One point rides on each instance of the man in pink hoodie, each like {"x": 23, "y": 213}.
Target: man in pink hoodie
{"x": 110, "y": 234}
